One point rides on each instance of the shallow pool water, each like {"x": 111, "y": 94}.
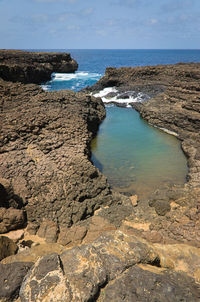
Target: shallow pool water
{"x": 135, "y": 157}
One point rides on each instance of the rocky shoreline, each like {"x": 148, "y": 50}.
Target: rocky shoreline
{"x": 66, "y": 236}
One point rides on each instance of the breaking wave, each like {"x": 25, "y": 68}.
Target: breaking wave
{"x": 111, "y": 95}
{"x": 75, "y": 81}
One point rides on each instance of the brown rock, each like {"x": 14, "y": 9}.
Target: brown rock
{"x": 46, "y": 157}
{"x": 72, "y": 236}
{"x": 32, "y": 228}
{"x": 33, "y": 67}
{"x": 48, "y": 230}
{"x": 107, "y": 270}
{"x": 134, "y": 200}
{"x": 98, "y": 225}
{"x": 7, "y": 247}
{"x": 11, "y": 219}
{"x": 45, "y": 282}
{"x": 15, "y": 235}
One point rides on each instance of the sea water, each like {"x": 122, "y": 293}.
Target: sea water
{"x": 135, "y": 157}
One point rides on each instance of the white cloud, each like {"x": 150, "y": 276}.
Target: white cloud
{"x": 153, "y": 21}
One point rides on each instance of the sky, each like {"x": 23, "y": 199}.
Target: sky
{"x": 100, "y": 24}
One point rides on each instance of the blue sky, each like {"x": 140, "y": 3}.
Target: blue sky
{"x": 65, "y": 24}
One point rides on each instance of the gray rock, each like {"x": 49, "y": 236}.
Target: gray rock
{"x": 143, "y": 285}
{"x": 45, "y": 282}
{"x": 11, "y": 277}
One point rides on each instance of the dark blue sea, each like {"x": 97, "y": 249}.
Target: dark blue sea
{"x": 136, "y": 157}
{"x": 92, "y": 63}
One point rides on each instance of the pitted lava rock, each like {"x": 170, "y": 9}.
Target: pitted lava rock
{"x": 33, "y": 67}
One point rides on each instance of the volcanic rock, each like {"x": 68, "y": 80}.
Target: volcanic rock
{"x": 7, "y": 247}
{"x": 33, "y": 67}
{"x": 45, "y": 152}
{"x": 11, "y": 219}
{"x": 106, "y": 270}
{"x": 11, "y": 277}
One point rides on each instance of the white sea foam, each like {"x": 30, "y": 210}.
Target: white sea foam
{"x": 45, "y": 87}
{"x": 112, "y": 95}
{"x": 105, "y": 92}
{"x": 77, "y": 75}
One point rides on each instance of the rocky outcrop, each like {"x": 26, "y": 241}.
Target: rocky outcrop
{"x": 45, "y": 152}
{"x": 33, "y": 67}
{"x": 46, "y": 174}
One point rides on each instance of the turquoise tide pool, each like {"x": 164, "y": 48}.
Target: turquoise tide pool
{"x": 136, "y": 157}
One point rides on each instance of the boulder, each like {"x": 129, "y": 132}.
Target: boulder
{"x": 142, "y": 283}
{"x": 7, "y": 247}
{"x": 48, "y": 230}
{"x": 11, "y": 219}
{"x": 11, "y": 277}
{"x": 72, "y": 236}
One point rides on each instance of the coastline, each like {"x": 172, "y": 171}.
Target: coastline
{"x": 112, "y": 237}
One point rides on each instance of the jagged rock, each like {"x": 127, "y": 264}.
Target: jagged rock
{"x": 7, "y": 247}
{"x": 11, "y": 277}
{"x": 98, "y": 225}
{"x": 11, "y": 219}
{"x": 33, "y": 67}
{"x": 161, "y": 206}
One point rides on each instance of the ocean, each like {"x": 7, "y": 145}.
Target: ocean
{"x": 135, "y": 157}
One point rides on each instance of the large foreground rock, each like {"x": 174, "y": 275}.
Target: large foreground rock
{"x": 107, "y": 270}
{"x": 33, "y": 67}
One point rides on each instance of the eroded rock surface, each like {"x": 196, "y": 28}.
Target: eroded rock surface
{"x": 33, "y": 67}
{"x": 45, "y": 152}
